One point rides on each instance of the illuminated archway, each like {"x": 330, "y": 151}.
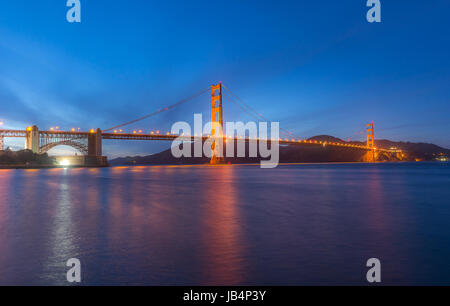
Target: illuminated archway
{"x": 82, "y": 148}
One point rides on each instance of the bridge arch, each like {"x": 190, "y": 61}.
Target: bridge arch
{"x": 82, "y": 148}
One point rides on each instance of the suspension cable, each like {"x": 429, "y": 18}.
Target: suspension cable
{"x": 254, "y": 116}
{"x": 161, "y": 110}
{"x": 255, "y": 113}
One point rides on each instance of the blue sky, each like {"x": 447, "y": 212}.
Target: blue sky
{"x": 318, "y": 67}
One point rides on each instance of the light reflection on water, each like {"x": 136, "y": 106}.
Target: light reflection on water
{"x": 232, "y": 225}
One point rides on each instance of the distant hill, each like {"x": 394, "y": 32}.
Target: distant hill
{"x": 326, "y": 138}
{"x": 424, "y": 151}
{"x": 303, "y": 154}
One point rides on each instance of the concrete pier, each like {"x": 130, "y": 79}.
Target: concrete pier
{"x": 32, "y": 139}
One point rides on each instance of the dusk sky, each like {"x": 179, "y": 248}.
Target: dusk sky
{"x": 318, "y": 67}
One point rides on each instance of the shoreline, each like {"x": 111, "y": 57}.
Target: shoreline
{"x": 37, "y": 167}
{"x": 34, "y": 167}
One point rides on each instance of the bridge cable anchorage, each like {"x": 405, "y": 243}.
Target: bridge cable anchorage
{"x": 233, "y": 98}
{"x": 160, "y": 110}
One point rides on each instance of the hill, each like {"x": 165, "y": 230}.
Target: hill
{"x": 303, "y": 154}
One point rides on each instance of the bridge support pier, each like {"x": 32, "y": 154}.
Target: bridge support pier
{"x": 95, "y": 143}
{"x": 32, "y": 139}
{"x": 1, "y": 143}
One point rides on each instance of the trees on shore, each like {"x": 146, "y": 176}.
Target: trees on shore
{"x": 24, "y": 157}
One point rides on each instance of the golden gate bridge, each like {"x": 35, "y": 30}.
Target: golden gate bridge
{"x": 89, "y": 143}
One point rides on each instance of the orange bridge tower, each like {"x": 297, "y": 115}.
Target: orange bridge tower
{"x": 217, "y": 125}
{"x": 370, "y": 136}
{"x": 371, "y": 141}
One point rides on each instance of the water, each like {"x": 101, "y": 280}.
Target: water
{"x": 231, "y": 225}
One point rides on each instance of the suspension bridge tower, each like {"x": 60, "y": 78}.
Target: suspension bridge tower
{"x": 217, "y": 125}
{"x": 370, "y": 136}
{"x": 371, "y": 140}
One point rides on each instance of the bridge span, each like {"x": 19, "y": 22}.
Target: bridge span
{"x": 90, "y": 143}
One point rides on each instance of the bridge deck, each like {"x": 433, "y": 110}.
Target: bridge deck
{"x": 166, "y": 137}
{"x": 13, "y": 133}
{"x": 137, "y": 136}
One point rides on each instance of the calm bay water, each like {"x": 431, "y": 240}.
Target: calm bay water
{"x": 231, "y": 225}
